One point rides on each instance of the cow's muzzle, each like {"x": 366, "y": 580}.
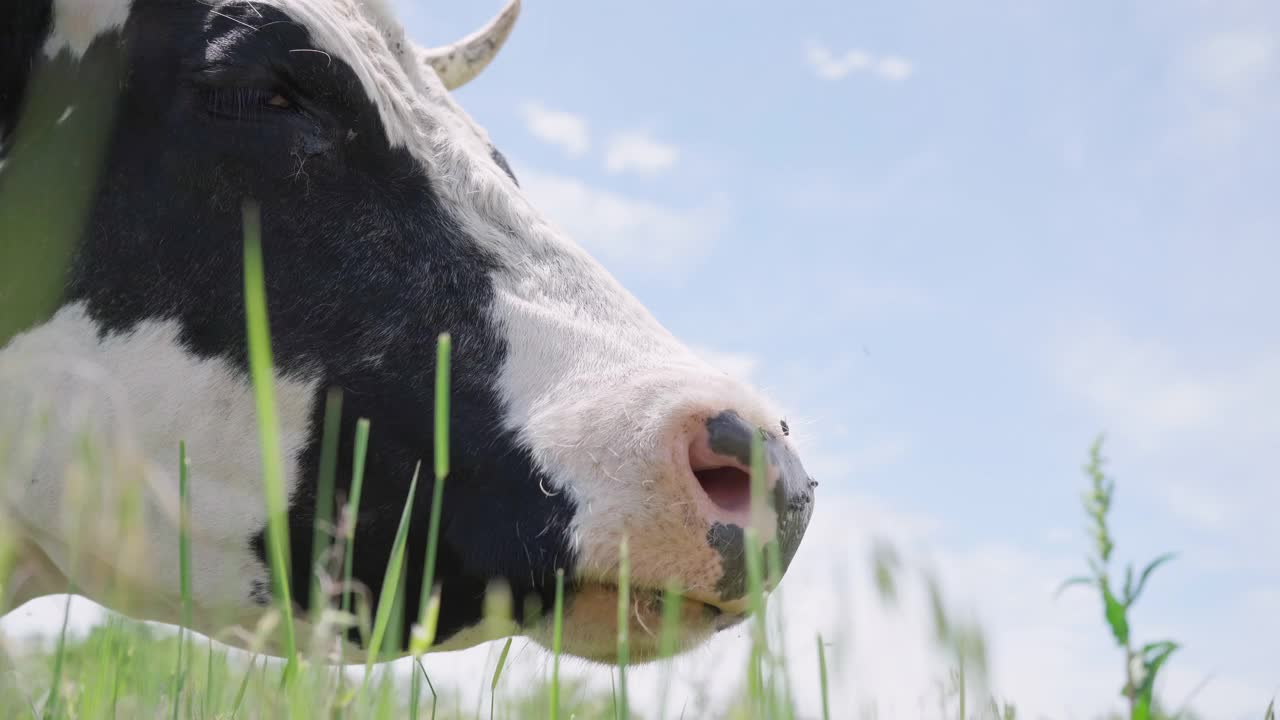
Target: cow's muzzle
{"x": 720, "y": 460}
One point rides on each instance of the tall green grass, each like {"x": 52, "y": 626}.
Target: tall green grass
{"x": 1142, "y": 663}
{"x": 263, "y": 376}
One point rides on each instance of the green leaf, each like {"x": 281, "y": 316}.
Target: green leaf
{"x": 1153, "y": 657}
{"x": 1157, "y": 652}
{"x": 262, "y": 377}
{"x": 1116, "y": 614}
{"x": 822, "y": 674}
{"x": 497, "y": 675}
{"x": 391, "y": 580}
{"x": 1072, "y": 582}
{"x": 1271, "y": 711}
{"x": 885, "y": 561}
{"x": 502, "y": 662}
{"x": 1146, "y": 573}
{"x": 556, "y": 639}
{"x": 1141, "y": 709}
{"x": 444, "y": 355}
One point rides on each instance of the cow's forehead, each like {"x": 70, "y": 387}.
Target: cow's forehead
{"x": 411, "y": 101}
{"x": 365, "y": 34}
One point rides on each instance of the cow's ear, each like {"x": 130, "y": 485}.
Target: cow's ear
{"x": 24, "y": 27}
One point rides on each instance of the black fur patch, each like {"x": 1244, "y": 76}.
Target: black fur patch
{"x": 364, "y": 269}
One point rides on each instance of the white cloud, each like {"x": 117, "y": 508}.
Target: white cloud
{"x": 1236, "y": 62}
{"x": 1138, "y": 387}
{"x": 1226, "y": 90}
{"x": 563, "y": 129}
{"x": 635, "y": 151}
{"x": 623, "y": 229}
{"x": 1159, "y": 396}
{"x": 830, "y": 66}
{"x": 892, "y": 67}
{"x": 1203, "y": 434}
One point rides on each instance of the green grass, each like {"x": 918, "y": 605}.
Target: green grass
{"x": 557, "y": 638}
{"x": 263, "y": 375}
{"x": 1142, "y": 663}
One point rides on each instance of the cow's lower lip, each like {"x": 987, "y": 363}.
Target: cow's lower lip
{"x": 656, "y": 598}
{"x": 698, "y": 621}
{"x": 714, "y": 617}
{"x": 724, "y": 621}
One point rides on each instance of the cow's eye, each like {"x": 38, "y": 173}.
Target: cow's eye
{"x": 241, "y": 103}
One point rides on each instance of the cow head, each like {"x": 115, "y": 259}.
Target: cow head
{"x": 388, "y": 217}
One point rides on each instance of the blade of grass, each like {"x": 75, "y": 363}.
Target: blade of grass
{"x": 394, "y": 637}
{"x": 415, "y": 695}
{"x": 785, "y": 709}
{"x": 352, "y": 512}
{"x": 8, "y": 559}
{"x": 244, "y": 686}
{"x": 497, "y": 675}
{"x": 557, "y": 637}
{"x": 624, "y": 624}
{"x": 668, "y": 638}
{"x": 118, "y": 668}
{"x": 391, "y": 580}
{"x": 444, "y": 354}
{"x": 208, "y": 682}
{"x": 444, "y": 361}
{"x": 260, "y": 369}
{"x": 434, "y": 698}
{"x": 323, "y": 524}
{"x": 51, "y": 705}
{"x": 822, "y": 679}
{"x": 184, "y": 573}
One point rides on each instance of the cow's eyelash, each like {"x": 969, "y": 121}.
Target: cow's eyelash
{"x": 241, "y": 103}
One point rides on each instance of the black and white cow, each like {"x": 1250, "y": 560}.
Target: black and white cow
{"x": 388, "y": 217}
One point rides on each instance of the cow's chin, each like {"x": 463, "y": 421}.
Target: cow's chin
{"x": 591, "y": 624}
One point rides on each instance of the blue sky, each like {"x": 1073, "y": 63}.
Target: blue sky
{"x": 955, "y": 241}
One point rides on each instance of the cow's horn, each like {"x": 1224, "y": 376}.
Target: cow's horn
{"x": 459, "y": 63}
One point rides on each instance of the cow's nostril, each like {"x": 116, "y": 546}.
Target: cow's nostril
{"x": 719, "y": 458}
{"x": 728, "y": 487}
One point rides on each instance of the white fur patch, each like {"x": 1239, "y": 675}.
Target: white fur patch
{"x": 93, "y": 420}
{"x": 76, "y": 23}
